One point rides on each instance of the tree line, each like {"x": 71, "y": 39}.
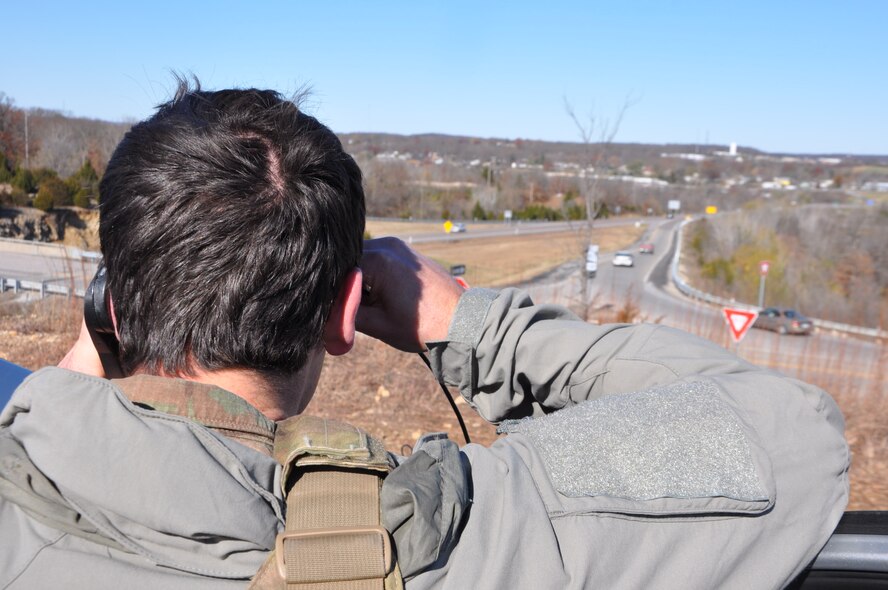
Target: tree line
{"x": 48, "y": 159}
{"x": 829, "y": 262}
{"x": 449, "y": 177}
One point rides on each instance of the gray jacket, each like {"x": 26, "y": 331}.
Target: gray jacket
{"x": 668, "y": 463}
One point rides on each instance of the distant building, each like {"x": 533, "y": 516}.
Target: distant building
{"x": 878, "y": 186}
{"x": 693, "y": 157}
{"x": 643, "y": 180}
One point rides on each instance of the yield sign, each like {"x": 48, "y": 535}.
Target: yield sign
{"x": 739, "y": 321}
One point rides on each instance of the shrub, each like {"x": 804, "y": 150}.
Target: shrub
{"x": 43, "y": 201}
{"x": 533, "y": 212}
{"x": 82, "y": 199}
{"x": 52, "y": 193}
{"x": 479, "y": 213}
{"x": 84, "y": 181}
{"x": 576, "y": 212}
{"x": 24, "y": 181}
{"x": 719, "y": 268}
{"x": 6, "y": 172}
{"x": 41, "y": 175}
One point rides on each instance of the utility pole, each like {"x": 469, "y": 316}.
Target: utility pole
{"x": 27, "y": 144}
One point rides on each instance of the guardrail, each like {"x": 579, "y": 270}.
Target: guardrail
{"x": 50, "y": 286}
{"x": 693, "y": 293}
{"x": 47, "y": 249}
{"x": 45, "y": 287}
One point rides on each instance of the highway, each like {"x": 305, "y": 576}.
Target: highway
{"x": 50, "y": 263}
{"x": 832, "y": 360}
{"x": 65, "y": 266}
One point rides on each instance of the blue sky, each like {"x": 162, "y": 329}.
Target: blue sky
{"x": 780, "y": 75}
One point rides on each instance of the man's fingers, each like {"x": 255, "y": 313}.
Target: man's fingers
{"x": 376, "y": 323}
{"x": 407, "y": 299}
{"x": 368, "y": 319}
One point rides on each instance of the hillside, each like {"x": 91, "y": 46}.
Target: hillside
{"x": 435, "y": 176}
{"x": 829, "y": 262}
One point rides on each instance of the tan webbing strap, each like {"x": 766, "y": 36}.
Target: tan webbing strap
{"x": 348, "y": 499}
{"x": 333, "y": 532}
{"x": 333, "y": 539}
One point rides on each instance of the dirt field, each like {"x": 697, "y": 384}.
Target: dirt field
{"x": 392, "y": 395}
{"x": 403, "y": 229}
{"x": 494, "y": 262}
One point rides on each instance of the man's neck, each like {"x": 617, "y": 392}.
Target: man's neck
{"x": 272, "y": 397}
{"x": 276, "y": 397}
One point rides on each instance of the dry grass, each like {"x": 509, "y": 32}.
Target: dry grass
{"x": 495, "y": 262}
{"x": 405, "y": 229}
{"x": 38, "y": 333}
{"x": 388, "y": 393}
{"x": 392, "y": 394}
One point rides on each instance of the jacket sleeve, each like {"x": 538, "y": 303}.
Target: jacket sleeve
{"x": 511, "y": 358}
{"x": 642, "y": 456}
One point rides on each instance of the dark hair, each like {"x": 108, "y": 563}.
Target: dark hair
{"x": 229, "y": 221}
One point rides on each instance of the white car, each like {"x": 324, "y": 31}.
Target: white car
{"x": 591, "y": 260}
{"x": 623, "y": 259}
{"x": 458, "y": 228}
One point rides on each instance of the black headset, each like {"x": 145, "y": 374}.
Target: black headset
{"x": 100, "y": 324}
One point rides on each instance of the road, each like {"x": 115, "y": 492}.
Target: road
{"x": 52, "y": 263}
{"x": 55, "y": 264}
{"x": 833, "y": 361}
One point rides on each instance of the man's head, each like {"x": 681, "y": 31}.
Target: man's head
{"x": 230, "y": 221}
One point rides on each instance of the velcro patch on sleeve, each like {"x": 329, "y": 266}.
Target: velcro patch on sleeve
{"x": 676, "y": 441}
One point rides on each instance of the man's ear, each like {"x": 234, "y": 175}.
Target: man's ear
{"x": 339, "y": 332}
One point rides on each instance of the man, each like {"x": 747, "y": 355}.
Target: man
{"x": 231, "y": 227}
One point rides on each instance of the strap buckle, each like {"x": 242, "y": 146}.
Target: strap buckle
{"x": 333, "y": 554}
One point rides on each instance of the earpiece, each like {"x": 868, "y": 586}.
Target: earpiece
{"x": 100, "y": 324}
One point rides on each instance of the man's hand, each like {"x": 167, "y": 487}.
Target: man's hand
{"x": 83, "y": 356}
{"x": 408, "y": 300}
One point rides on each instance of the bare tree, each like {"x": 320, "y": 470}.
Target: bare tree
{"x": 597, "y": 136}
{"x": 67, "y": 142}
{"x": 12, "y": 135}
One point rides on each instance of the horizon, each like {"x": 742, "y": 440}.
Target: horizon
{"x": 789, "y": 79}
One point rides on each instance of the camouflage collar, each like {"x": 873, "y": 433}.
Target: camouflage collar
{"x": 211, "y": 406}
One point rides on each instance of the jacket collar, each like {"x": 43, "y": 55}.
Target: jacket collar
{"x": 208, "y": 405}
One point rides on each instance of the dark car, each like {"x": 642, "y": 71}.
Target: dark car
{"x": 783, "y": 321}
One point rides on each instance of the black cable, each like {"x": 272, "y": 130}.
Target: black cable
{"x": 446, "y": 391}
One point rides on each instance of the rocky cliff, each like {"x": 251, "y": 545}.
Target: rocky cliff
{"x": 71, "y": 226}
